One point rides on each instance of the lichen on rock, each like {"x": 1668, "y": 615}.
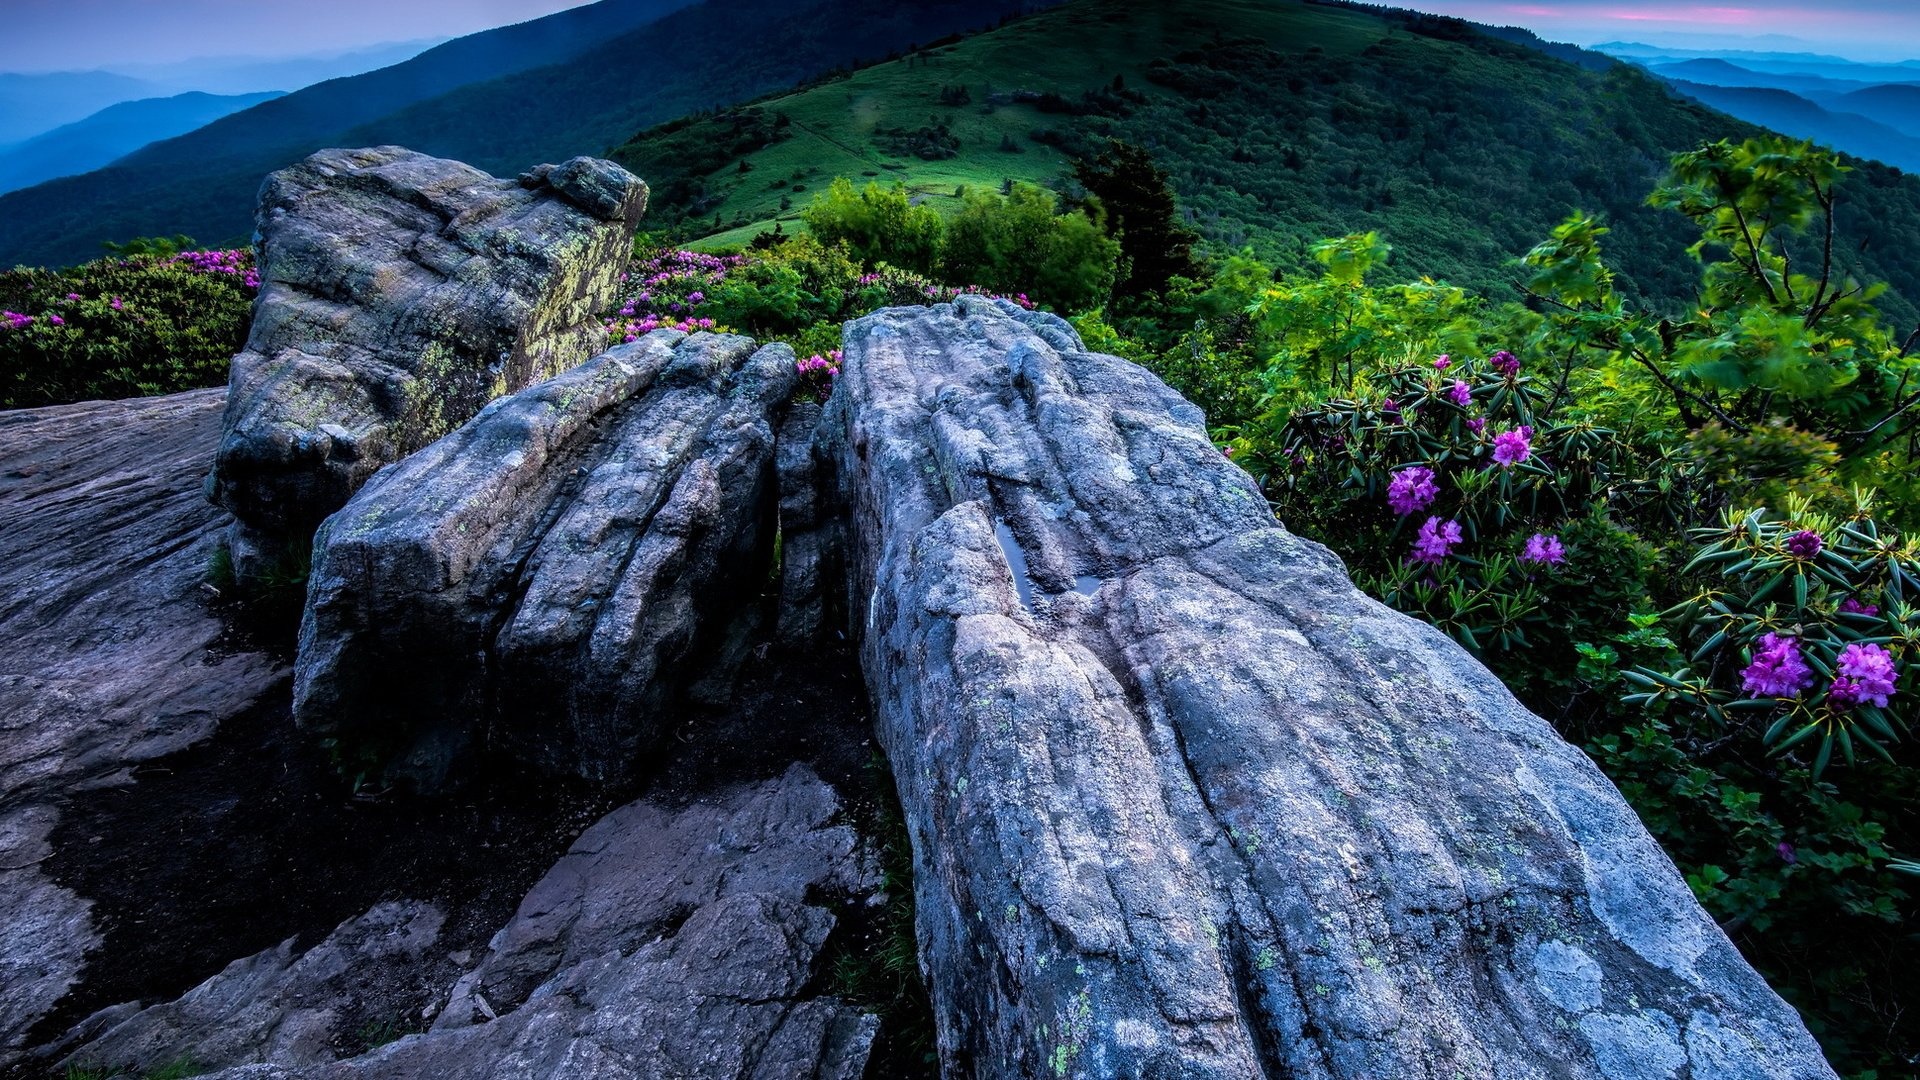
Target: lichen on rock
{"x": 399, "y": 293}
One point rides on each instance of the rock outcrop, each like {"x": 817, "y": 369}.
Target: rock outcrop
{"x": 112, "y": 654}
{"x": 275, "y": 1005}
{"x": 680, "y": 943}
{"x": 547, "y": 575}
{"x": 398, "y": 294}
{"x": 1184, "y": 802}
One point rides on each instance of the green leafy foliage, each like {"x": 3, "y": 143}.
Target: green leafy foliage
{"x": 1829, "y": 601}
{"x": 1766, "y": 343}
{"x": 121, "y": 327}
{"x": 1137, "y": 194}
{"x": 1022, "y": 243}
{"x": 877, "y": 225}
{"x": 1018, "y": 242}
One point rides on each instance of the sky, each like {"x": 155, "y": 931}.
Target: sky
{"x": 1876, "y": 30}
{"x": 72, "y": 35}
{"x": 82, "y": 35}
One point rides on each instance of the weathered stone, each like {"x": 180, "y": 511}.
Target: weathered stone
{"x": 111, "y": 655}
{"x": 809, "y": 536}
{"x": 1184, "y": 802}
{"x": 273, "y": 1006}
{"x": 398, "y": 294}
{"x": 665, "y": 944}
{"x": 549, "y": 573}
{"x": 642, "y": 868}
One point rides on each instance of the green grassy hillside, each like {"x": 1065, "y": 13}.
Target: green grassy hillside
{"x": 1282, "y": 122}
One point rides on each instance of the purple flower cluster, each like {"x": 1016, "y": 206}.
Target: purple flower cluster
{"x": 1504, "y": 362}
{"x": 1411, "y": 489}
{"x": 1778, "y": 669}
{"x": 666, "y": 290}
{"x": 232, "y": 262}
{"x": 1852, "y": 606}
{"x": 816, "y": 363}
{"x": 1867, "y": 674}
{"x": 16, "y": 321}
{"x": 1437, "y": 539}
{"x": 1804, "y": 544}
{"x": 632, "y": 330}
{"x": 1510, "y": 448}
{"x": 1442, "y": 362}
{"x": 1461, "y": 393}
{"x": 941, "y": 294}
{"x": 1543, "y": 550}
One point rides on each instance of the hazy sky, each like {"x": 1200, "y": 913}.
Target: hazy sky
{"x": 1857, "y": 29}
{"x": 45, "y": 35}
{"x": 78, "y": 35}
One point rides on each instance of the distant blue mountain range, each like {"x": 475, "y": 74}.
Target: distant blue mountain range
{"x": 1867, "y": 110}
{"x": 113, "y": 133}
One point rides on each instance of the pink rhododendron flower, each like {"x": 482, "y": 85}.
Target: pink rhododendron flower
{"x": 1436, "y": 540}
{"x": 1411, "y": 489}
{"x": 1510, "y": 448}
{"x": 1778, "y": 669}
{"x": 1866, "y": 673}
{"x": 1543, "y": 550}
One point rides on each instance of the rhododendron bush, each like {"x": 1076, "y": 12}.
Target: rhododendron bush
{"x": 128, "y": 325}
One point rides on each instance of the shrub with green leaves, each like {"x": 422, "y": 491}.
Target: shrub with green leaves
{"x": 1467, "y": 492}
{"x": 877, "y": 224}
{"x": 122, "y": 327}
{"x": 1023, "y": 243}
{"x": 1578, "y": 511}
{"x": 1801, "y": 635}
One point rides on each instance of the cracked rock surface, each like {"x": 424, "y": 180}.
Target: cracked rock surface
{"x": 545, "y": 579}
{"x": 1185, "y": 803}
{"x": 398, "y": 294}
{"x": 667, "y": 943}
{"x": 112, "y": 656}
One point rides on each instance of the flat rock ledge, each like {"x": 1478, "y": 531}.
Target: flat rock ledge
{"x": 1185, "y": 803}
{"x": 547, "y": 579}
{"x": 113, "y": 656}
{"x": 666, "y": 943}
{"x": 398, "y": 294}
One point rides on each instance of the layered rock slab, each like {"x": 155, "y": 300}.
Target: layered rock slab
{"x": 669, "y": 942}
{"x": 110, "y": 653}
{"x": 544, "y": 580}
{"x": 398, "y": 294}
{"x": 1185, "y": 803}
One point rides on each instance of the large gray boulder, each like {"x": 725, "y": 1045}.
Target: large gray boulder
{"x": 1185, "y": 803}
{"x": 398, "y": 294}
{"x": 112, "y": 655}
{"x": 666, "y": 943}
{"x": 550, "y": 574}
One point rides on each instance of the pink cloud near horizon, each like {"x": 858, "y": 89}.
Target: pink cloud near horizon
{"x": 1879, "y": 28}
